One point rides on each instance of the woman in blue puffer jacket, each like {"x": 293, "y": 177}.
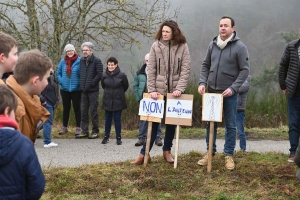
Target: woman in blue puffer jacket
{"x": 68, "y": 73}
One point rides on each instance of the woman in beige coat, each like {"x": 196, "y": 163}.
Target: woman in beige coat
{"x": 168, "y": 72}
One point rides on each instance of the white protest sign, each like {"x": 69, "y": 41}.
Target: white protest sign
{"x": 212, "y": 106}
{"x": 179, "y": 108}
{"x": 152, "y": 108}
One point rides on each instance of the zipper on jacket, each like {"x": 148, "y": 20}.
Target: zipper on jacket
{"x": 158, "y": 65}
{"x": 179, "y": 67}
{"x": 218, "y": 69}
{"x": 86, "y": 73}
{"x": 169, "y": 66}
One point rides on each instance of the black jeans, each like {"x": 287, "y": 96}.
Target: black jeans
{"x": 89, "y": 101}
{"x": 169, "y": 136}
{"x": 67, "y": 98}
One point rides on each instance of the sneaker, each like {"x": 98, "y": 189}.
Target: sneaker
{"x": 229, "y": 163}
{"x": 105, "y": 140}
{"x": 77, "y": 131}
{"x": 291, "y": 158}
{"x": 204, "y": 160}
{"x": 93, "y": 136}
{"x": 119, "y": 141}
{"x": 52, "y": 144}
{"x": 140, "y": 142}
{"x": 81, "y": 135}
{"x": 158, "y": 142}
{"x": 63, "y": 130}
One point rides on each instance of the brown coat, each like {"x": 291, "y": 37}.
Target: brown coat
{"x": 30, "y": 114}
{"x": 158, "y": 70}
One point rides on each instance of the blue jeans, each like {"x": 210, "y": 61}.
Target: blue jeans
{"x": 47, "y": 126}
{"x": 240, "y": 123}
{"x": 143, "y": 129}
{"x": 294, "y": 121}
{"x": 109, "y": 115}
{"x": 229, "y": 112}
{"x": 169, "y": 136}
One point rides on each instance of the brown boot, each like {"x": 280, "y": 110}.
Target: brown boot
{"x": 140, "y": 160}
{"x": 167, "y": 155}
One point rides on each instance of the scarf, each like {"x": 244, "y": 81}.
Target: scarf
{"x": 69, "y": 62}
{"x": 7, "y": 122}
{"x": 222, "y": 44}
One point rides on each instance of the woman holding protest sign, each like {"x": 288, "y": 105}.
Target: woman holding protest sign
{"x": 168, "y": 72}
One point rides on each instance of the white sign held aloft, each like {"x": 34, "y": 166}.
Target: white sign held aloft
{"x": 179, "y": 108}
{"x": 151, "y": 107}
{"x": 212, "y": 106}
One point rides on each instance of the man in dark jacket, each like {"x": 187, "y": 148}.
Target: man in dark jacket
{"x": 224, "y": 69}
{"x": 139, "y": 87}
{"x": 289, "y": 82}
{"x": 21, "y": 176}
{"x": 91, "y": 70}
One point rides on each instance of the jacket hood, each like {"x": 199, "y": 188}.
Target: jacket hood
{"x": 142, "y": 70}
{"x": 234, "y": 38}
{"x": 296, "y": 43}
{"x": 10, "y": 144}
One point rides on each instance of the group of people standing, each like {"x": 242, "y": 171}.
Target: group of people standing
{"x": 225, "y": 70}
{"x": 79, "y": 80}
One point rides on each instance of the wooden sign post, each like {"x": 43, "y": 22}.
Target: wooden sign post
{"x": 212, "y": 107}
{"x": 179, "y": 111}
{"x": 152, "y": 111}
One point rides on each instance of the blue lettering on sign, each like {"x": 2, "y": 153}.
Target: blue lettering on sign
{"x": 152, "y": 107}
{"x": 178, "y": 103}
{"x": 179, "y": 110}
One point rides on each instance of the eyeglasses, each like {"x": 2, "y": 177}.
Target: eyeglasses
{"x": 85, "y": 50}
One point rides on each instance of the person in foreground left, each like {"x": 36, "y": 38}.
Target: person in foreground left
{"x": 21, "y": 175}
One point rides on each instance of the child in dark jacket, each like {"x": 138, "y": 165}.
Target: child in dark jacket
{"x": 21, "y": 176}
{"x": 49, "y": 98}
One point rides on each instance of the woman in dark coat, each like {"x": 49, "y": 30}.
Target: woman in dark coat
{"x": 115, "y": 84}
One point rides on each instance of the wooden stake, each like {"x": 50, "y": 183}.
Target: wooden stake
{"x": 146, "y": 157}
{"x": 210, "y": 146}
{"x": 177, "y": 146}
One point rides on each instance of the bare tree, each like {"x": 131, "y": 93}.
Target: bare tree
{"x": 111, "y": 24}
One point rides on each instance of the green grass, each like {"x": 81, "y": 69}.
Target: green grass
{"x": 256, "y": 176}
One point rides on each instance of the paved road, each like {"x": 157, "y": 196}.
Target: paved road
{"x": 77, "y": 152}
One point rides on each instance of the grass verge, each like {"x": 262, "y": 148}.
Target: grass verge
{"x": 256, "y": 176}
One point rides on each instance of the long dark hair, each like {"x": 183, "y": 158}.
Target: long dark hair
{"x": 177, "y": 35}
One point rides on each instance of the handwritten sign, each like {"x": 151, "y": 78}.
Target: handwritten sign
{"x": 179, "y": 108}
{"x": 212, "y": 107}
{"x": 151, "y": 107}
